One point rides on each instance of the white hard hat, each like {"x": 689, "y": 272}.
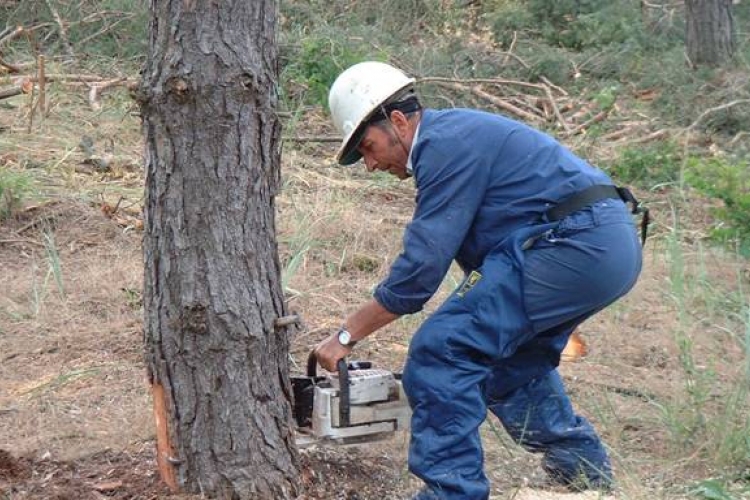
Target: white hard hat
{"x": 355, "y": 95}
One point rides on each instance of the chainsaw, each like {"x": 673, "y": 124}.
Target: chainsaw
{"x": 356, "y": 404}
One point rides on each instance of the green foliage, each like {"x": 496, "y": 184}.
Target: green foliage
{"x": 509, "y": 19}
{"x": 573, "y": 24}
{"x": 552, "y": 64}
{"x": 386, "y": 20}
{"x": 717, "y": 489}
{"x": 14, "y": 187}
{"x": 729, "y": 182}
{"x": 647, "y": 166}
{"x": 315, "y": 64}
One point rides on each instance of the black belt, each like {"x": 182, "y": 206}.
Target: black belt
{"x": 593, "y": 194}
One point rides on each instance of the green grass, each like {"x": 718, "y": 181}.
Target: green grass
{"x": 15, "y": 187}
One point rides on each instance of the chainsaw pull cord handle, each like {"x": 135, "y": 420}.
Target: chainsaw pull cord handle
{"x": 344, "y": 399}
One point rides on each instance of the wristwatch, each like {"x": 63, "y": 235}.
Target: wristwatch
{"x": 345, "y": 338}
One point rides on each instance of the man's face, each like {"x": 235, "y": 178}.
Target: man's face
{"x": 381, "y": 150}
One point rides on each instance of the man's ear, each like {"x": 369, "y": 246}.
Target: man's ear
{"x": 399, "y": 121}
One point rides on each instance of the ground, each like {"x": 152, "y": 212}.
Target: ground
{"x": 75, "y": 411}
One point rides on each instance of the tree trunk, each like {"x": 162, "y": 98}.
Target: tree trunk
{"x": 212, "y": 287}
{"x": 710, "y": 35}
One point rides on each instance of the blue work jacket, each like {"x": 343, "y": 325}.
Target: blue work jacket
{"x": 480, "y": 178}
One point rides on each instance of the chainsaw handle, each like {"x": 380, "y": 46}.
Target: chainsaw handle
{"x": 344, "y": 400}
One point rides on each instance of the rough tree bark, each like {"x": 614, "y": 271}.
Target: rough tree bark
{"x": 217, "y": 365}
{"x": 710, "y": 34}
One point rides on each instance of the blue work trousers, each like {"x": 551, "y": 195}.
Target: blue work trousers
{"x": 495, "y": 344}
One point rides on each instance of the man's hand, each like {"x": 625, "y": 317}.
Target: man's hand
{"x": 330, "y": 351}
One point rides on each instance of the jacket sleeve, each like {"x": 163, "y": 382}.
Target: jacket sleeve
{"x": 451, "y": 182}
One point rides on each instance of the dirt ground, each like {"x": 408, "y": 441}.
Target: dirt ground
{"x": 75, "y": 412}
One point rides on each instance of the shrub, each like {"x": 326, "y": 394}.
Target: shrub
{"x": 14, "y": 188}
{"x": 729, "y": 182}
{"x": 647, "y": 166}
{"x": 317, "y": 62}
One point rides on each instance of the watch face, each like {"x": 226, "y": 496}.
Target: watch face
{"x": 345, "y": 337}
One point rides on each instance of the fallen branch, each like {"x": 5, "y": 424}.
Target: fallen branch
{"x": 61, "y": 28}
{"x": 514, "y": 56}
{"x": 556, "y": 110}
{"x": 6, "y": 67}
{"x": 492, "y": 99}
{"x": 98, "y": 88}
{"x": 10, "y": 36}
{"x": 42, "y": 101}
{"x": 714, "y": 110}
{"x": 600, "y": 116}
{"x": 659, "y": 134}
{"x": 468, "y": 81}
{"x": 510, "y": 49}
{"x": 617, "y": 134}
{"x": 57, "y": 77}
{"x": 323, "y": 138}
{"x": 10, "y": 67}
{"x": 21, "y": 242}
{"x": 552, "y": 85}
{"x": 22, "y": 88}
{"x": 738, "y": 137}
{"x": 103, "y": 30}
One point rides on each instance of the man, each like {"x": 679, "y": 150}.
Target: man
{"x": 545, "y": 241}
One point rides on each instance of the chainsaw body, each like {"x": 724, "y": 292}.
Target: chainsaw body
{"x": 357, "y": 404}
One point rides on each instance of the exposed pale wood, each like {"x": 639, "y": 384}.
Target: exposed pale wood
{"x": 99, "y": 87}
{"x": 575, "y": 349}
{"x": 164, "y": 448}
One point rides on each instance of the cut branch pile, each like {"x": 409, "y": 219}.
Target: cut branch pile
{"x": 547, "y": 105}
{"x": 30, "y": 77}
